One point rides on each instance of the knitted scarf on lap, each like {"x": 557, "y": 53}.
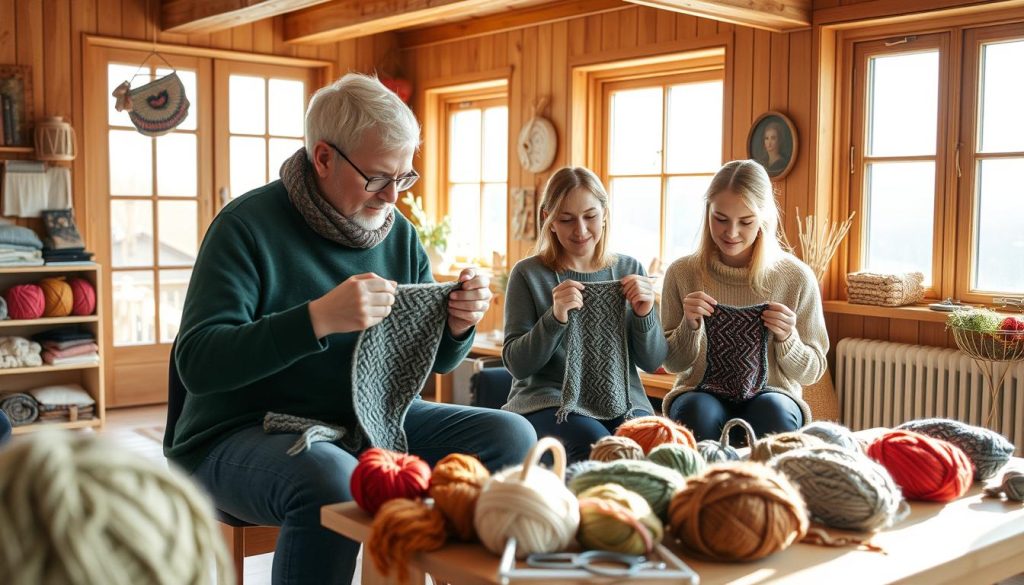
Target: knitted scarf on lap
{"x": 737, "y": 353}
{"x": 391, "y": 363}
{"x": 596, "y": 380}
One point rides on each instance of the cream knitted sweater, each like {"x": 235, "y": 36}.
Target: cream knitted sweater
{"x": 797, "y": 361}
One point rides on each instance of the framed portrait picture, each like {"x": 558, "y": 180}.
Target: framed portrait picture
{"x": 773, "y": 143}
{"x": 15, "y": 105}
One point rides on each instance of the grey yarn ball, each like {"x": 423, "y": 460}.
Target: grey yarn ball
{"x": 714, "y": 452}
{"x": 580, "y": 467}
{"x": 988, "y": 450}
{"x": 833, "y": 434}
{"x": 843, "y": 489}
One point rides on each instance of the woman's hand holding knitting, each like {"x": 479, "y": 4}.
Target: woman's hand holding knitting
{"x": 360, "y": 302}
{"x": 467, "y": 304}
{"x": 639, "y": 292}
{"x": 780, "y": 320}
{"x": 565, "y": 297}
{"x": 696, "y": 306}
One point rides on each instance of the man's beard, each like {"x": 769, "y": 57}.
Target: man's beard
{"x": 371, "y": 220}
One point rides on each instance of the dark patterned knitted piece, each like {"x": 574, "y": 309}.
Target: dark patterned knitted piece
{"x": 393, "y": 359}
{"x": 988, "y": 450}
{"x": 737, "y": 352}
{"x": 596, "y": 380}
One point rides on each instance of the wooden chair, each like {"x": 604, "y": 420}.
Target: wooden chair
{"x": 243, "y": 539}
{"x": 821, "y": 397}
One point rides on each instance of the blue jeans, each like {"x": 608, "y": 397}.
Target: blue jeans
{"x": 705, "y": 414}
{"x": 577, "y": 433}
{"x": 250, "y": 476}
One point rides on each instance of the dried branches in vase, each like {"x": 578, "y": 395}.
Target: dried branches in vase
{"x": 819, "y": 240}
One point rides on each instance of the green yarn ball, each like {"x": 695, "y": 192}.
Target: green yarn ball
{"x": 982, "y": 320}
{"x": 655, "y": 483}
{"x": 686, "y": 461}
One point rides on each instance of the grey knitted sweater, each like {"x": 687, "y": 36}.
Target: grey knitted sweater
{"x": 534, "y": 350}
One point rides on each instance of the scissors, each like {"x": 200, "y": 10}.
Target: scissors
{"x": 598, "y": 562}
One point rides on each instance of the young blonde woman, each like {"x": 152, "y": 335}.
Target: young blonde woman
{"x": 571, "y": 253}
{"x": 740, "y": 262}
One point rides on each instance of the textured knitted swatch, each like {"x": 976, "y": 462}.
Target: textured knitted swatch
{"x": 310, "y": 431}
{"x": 597, "y": 355}
{"x": 393, "y": 360}
{"x": 988, "y": 450}
{"x": 737, "y": 352}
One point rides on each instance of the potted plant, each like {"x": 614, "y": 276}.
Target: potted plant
{"x": 433, "y": 236}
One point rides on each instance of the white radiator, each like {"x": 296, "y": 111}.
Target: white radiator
{"x": 883, "y": 384}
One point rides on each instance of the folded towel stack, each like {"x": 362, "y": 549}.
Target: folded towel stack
{"x": 887, "y": 290}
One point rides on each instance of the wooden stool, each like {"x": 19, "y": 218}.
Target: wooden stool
{"x": 244, "y": 540}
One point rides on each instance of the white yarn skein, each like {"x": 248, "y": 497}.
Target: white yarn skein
{"x": 529, "y": 503}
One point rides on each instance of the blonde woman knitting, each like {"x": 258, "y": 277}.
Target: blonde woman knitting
{"x": 572, "y": 254}
{"x": 740, "y": 262}
{"x": 75, "y": 510}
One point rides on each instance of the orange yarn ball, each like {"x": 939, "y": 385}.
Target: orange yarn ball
{"x": 455, "y": 486}
{"x": 737, "y": 511}
{"x": 383, "y": 475}
{"x": 401, "y": 529}
{"x": 925, "y": 468}
{"x": 651, "y": 431}
{"x": 57, "y": 297}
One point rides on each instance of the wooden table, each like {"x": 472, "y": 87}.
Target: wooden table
{"x": 972, "y": 540}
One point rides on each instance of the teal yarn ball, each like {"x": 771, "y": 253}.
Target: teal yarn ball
{"x": 719, "y": 451}
{"x": 988, "y": 450}
{"x": 681, "y": 458}
{"x": 843, "y": 489}
{"x": 833, "y": 434}
{"x": 654, "y": 483}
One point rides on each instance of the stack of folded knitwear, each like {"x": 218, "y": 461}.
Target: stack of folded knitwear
{"x": 64, "y": 402}
{"x": 887, "y": 290}
{"x": 67, "y": 346}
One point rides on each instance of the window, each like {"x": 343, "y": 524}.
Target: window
{"x": 475, "y": 174}
{"x": 934, "y": 163}
{"x": 657, "y": 131}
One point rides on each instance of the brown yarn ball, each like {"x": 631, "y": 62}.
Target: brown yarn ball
{"x": 737, "y": 511}
{"x": 57, "y": 295}
{"x": 402, "y": 528}
{"x": 455, "y": 486}
{"x": 651, "y": 431}
{"x": 777, "y": 444}
{"x": 613, "y": 448}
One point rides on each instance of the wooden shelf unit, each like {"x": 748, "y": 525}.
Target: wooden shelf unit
{"x": 89, "y": 376}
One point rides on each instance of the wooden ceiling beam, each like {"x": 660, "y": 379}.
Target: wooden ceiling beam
{"x": 348, "y": 19}
{"x": 773, "y": 15}
{"x": 205, "y": 16}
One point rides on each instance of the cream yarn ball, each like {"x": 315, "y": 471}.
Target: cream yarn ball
{"x": 529, "y": 503}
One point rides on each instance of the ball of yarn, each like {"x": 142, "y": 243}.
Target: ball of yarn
{"x": 715, "y": 451}
{"x": 84, "y": 295}
{"x": 983, "y": 320}
{"x": 1012, "y": 486}
{"x": 833, "y": 434}
{"x": 988, "y": 450}
{"x": 686, "y": 460}
{"x": 383, "y": 475}
{"x": 616, "y": 519}
{"x": 737, "y": 511}
{"x": 401, "y": 529}
{"x": 77, "y": 510}
{"x": 25, "y": 301}
{"x": 455, "y": 486}
{"x": 777, "y": 444}
{"x": 651, "y": 431}
{"x": 611, "y": 448}
{"x": 57, "y": 296}
{"x": 3, "y": 308}
{"x": 581, "y": 467}
{"x": 923, "y": 467}
{"x": 654, "y": 483}
{"x": 843, "y": 489}
{"x": 529, "y": 503}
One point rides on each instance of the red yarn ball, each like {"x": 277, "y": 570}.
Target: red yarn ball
{"x": 25, "y": 301}
{"x": 1013, "y": 324}
{"x": 84, "y": 297}
{"x": 925, "y": 468}
{"x": 383, "y": 475}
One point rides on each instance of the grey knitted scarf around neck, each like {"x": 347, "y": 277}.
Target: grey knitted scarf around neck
{"x": 596, "y": 382}
{"x": 320, "y": 215}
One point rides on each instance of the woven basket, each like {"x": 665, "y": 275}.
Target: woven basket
{"x": 996, "y": 346}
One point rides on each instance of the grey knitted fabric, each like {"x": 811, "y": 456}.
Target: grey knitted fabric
{"x": 597, "y": 355}
{"x": 393, "y": 359}
{"x": 987, "y": 449}
{"x": 312, "y": 431}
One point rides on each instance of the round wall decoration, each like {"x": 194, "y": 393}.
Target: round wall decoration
{"x": 538, "y": 141}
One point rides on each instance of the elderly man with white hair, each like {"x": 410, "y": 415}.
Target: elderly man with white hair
{"x": 288, "y": 276}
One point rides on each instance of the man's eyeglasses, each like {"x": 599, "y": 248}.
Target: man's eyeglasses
{"x": 377, "y": 184}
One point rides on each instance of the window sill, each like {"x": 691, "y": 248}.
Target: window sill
{"x": 918, "y": 312}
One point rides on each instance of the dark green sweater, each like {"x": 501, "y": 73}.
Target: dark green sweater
{"x": 246, "y": 344}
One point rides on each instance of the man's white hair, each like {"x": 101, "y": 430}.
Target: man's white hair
{"x": 341, "y": 112}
